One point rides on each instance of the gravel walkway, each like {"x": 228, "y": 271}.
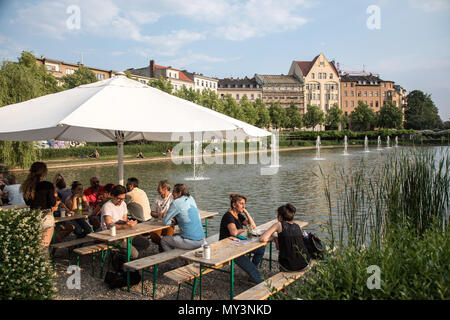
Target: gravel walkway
{"x": 215, "y": 285}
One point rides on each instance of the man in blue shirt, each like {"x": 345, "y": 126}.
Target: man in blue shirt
{"x": 183, "y": 211}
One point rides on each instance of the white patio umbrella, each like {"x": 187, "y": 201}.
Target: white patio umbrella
{"x": 117, "y": 109}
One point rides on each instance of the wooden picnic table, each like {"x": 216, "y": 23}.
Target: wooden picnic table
{"x": 227, "y": 250}
{"x": 151, "y": 225}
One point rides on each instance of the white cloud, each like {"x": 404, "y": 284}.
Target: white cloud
{"x": 430, "y": 5}
{"x": 189, "y": 59}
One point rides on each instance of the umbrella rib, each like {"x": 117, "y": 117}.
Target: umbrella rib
{"x": 64, "y": 131}
{"x": 106, "y": 134}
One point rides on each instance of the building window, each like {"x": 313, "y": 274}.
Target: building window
{"x": 352, "y": 104}
{"x": 359, "y": 93}
{"x": 237, "y": 96}
{"x": 252, "y": 96}
{"x": 324, "y": 75}
{"x": 346, "y": 104}
{"x": 100, "y": 76}
{"x": 70, "y": 71}
{"x": 312, "y": 76}
{"x": 370, "y": 93}
{"x": 365, "y": 93}
{"x": 351, "y": 93}
{"x": 376, "y": 93}
{"x": 331, "y": 76}
{"x": 376, "y": 104}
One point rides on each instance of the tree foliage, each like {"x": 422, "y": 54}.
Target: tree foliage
{"x": 294, "y": 117}
{"x": 362, "y": 118}
{"x": 420, "y": 112}
{"x": 81, "y": 76}
{"x": 21, "y": 81}
{"x": 389, "y": 116}
{"x": 335, "y": 117}
{"x": 313, "y": 116}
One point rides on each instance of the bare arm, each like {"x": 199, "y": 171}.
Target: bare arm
{"x": 276, "y": 227}
{"x": 128, "y": 225}
{"x": 233, "y": 230}
{"x": 250, "y": 219}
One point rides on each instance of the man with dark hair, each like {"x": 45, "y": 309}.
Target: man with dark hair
{"x": 12, "y": 191}
{"x": 114, "y": 212}
{"x": 94, "y": 192}
{"x": 137, "y": 201}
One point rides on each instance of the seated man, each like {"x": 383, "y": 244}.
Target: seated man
{"x": 159, "y": 209}
{"x": 114, "y": 212}
{"x": 137, "y": 201}
{"x": 95, "y": 154}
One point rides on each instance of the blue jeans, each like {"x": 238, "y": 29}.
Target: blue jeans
{"x": 250, "y": 266}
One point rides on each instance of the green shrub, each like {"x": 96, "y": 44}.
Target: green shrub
{"x": 25, "y": 269}
{"x": 411, "y": 268}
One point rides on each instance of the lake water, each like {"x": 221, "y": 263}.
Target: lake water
{"x": 298, "y": 181}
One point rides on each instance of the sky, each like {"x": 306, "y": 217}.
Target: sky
{"x": 406, "y": 41}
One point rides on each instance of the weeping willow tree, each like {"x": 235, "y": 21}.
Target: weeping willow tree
{"x": 21, "y": 81}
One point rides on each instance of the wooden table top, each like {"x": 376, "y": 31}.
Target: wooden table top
{"x": 70, "y": 218}
{"x": 230, "y": 248}
{"x": 140, "y": 228}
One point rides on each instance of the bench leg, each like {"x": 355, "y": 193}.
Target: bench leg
{"x": 270, "y": 256}
{"x": 200, "y": 293}
{"x": 178, "y": 293}
{"x": 194, "y": 289}
{"x": 78, "y": 260}
{"x": 206, "y": 227}
{"x": 155, "y": 274}
{"x": 92, "y": 263}
{"x": 231, "y": 279}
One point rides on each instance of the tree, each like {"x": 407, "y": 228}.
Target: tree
{"x": 81, "y": 76}
{"x": 362, "y": 118}
{"x": 313, "y": 116}
{"x": 21, "y": 81}
{"x": 389, "y": 116}
{"x": 209, "y": 99}
{"x": 420, "y": 112}
{"x": 232, "y": 109}
{"x": 294, "y": 117}
{"x": 162, "y": 84}
{"x": 263, "y": 114}
{"x": 278, "y": 115}
{"x": 250, "y": 112}
{"x": 335, "y": 117}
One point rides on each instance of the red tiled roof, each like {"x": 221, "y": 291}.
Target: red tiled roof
{"x": 184, "y": 77}
{"x": 305, "y": 66}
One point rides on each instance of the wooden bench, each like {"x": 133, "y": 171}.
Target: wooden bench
{"x": 187, "y": 273}
{"x": 276, "y": 283}
{"x": 152, "y": 261}
{"x": 92, "y": 249}
{"x": 69, "y": 245}
{"x": 273, "y": 285}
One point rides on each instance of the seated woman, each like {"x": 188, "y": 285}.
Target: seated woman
{"x": 140, "y": 155}
{"x": 184, "y": 210}
{"x": 293, "y": 255}
{"x": 232, "y": 225}
{"x": 82, "y": 228}
{"x": 94, "y": 154}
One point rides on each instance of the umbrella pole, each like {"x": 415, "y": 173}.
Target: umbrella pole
{"x": 120, "y": 161}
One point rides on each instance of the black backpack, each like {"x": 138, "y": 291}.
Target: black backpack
{"x": 314, "y": 246}
{"x": 117, "y": 278}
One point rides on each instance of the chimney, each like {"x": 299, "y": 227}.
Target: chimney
{"x": 152, "y": 68}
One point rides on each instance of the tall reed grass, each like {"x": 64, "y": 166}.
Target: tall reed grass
{"x": 412, "y": 185}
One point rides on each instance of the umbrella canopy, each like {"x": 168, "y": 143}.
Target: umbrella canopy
{"x": 117, "y": 109}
